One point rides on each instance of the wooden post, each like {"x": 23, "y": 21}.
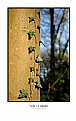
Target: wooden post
{"x": 19, "y": 59}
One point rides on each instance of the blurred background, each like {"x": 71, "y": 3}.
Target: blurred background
{"x": 54, "y": 50}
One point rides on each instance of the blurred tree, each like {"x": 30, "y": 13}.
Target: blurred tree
{"x": 52, "y": 56}
{"x": 55, "y": 57}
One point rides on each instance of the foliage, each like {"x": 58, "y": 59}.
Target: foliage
{"x": 31, "y": 34}
{"x": 38, "y": 59}
{"x": 31, "y": 19}
{"x": 31, "y": 80}
{"x": 32, "y": 69}
{"x": 38, "y": 85}
{"x": 36, "y": 69}
{"x": 42, "y": 43}
{"x": 38, "y": 13}
{"x": 23, "y": 94}
{"x": 38, "y": 27}
{"x": 38, "y": 74}
{"x": 31, "y": 49}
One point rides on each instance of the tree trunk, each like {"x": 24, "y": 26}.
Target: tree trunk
{"x": 20, "y": 60}
{"x": 52, "y": 28}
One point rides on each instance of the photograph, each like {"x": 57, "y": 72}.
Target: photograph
{"x": 38, "y": 54}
